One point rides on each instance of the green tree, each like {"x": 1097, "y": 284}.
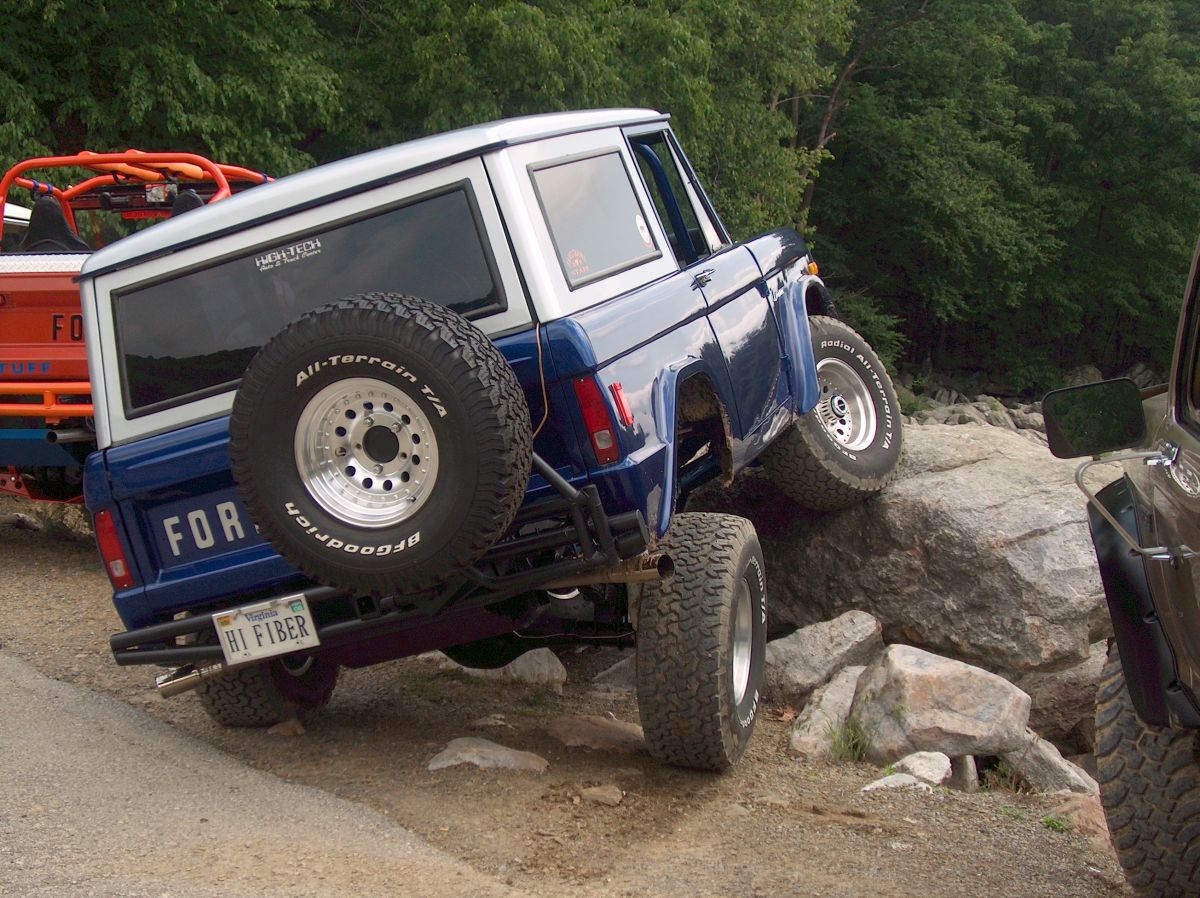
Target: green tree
{"x": 247, "y": 82}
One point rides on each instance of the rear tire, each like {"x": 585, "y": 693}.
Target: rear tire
{"x": 701, "y": 643}
{"x": 847, "y": 447}
{"x": 1150, "y": 787}
{"x": 267, "y": 693}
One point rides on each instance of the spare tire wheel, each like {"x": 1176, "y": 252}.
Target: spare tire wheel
{"x": 381, "y": 443}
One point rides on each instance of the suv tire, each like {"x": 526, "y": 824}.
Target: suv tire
{"x": 701, "y": 643}
{"x": 264, "y": 694}
{"x": 846, "y": 448}
{"x": 381, "y": 443}
{"x": 1150, "y": 786}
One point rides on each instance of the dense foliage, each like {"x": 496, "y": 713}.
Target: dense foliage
{"x": 1002, "y": 186}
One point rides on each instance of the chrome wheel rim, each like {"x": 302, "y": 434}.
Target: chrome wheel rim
{"x": 743, "y": 640}
{"x": 845, "y": 408}
{"x": 366, "y": 452}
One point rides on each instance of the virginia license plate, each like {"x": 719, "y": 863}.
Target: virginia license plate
{"x": 270, "y": 628}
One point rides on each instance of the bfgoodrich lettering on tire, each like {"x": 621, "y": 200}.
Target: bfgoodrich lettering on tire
{"x": 701, "y": 643}
{"x": 846, "y": 449}
{"x": 1150, "y": 786}
{"x": 381, "y": 443}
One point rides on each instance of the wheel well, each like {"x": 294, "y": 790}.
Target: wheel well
{"x": 819, "y": 301}
{"x": 702, "y": 423}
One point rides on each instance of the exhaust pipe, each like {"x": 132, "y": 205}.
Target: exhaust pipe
{"x": 70, "y": 436}
{"x": 185, "y": 679}
{"x": 642, "y": 569}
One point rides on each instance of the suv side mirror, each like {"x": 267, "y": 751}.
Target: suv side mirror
{"x": 1094, "y": 418}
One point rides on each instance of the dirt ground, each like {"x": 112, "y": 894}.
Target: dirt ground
{"x": 773, "y": 827}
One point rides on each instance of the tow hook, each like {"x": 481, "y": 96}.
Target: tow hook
{"x": 184, "y": 679}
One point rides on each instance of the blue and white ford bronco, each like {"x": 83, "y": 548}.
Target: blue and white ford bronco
{"x": 453, "y": 394}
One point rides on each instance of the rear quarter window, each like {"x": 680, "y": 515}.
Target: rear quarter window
{"x": 594, "y": 218}
{"x": 194, "y": 334}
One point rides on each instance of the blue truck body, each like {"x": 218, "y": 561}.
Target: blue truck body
{"x": 734, "y": 319}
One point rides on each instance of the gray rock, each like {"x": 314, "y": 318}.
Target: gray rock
{"x": 605, "y": 795}
{"x": 487, "y": 754}
{"x": 600, "y": 733}
{"x": 621, "y": 677}
{"x": 910, "y": 700}
{"x": 824, "y": 715}
{"x": 1041, "y": 766}
{"x": 980, "y": 550}
{"x": 1028, "y": 420}
{"x": 965, "y": 414}
{"x": 964, "y": 775}
{"x": 1084, "y": 374}
{"x": 897, "y": 781}
{"x": 1064, "y": 702}
{"x": 799, "y": 663}
{"x": 931, "y": 767}
{"x": 540, "y": 667}
{"x": 1143, "y": 375}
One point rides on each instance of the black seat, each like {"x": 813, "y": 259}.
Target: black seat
{"x": 49, "y": 232}
{"x": 186, "y": 201}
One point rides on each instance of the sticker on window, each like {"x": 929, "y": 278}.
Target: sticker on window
{"x": 643, "y": 230}
{"x": 577, "y": 265}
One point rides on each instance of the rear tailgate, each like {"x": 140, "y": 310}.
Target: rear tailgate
{"x": 41, "y": 327}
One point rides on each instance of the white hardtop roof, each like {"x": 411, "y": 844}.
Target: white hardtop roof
{"x": 351, "y": 175}
{"x": 14, "y": 212}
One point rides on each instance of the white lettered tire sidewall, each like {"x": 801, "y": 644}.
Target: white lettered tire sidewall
{"x": 471, "y": 409}
{"x": 419, "y": 534}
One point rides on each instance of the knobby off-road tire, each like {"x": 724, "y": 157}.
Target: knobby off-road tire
{"x": 701, "y": 643}
{"x": 381, "y": 443}
{"x": 264, "y": 694}
{"x": 845, "y": 449}
{"x": 1150, "y": 786}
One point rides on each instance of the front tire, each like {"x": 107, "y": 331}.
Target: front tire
{"x": 847, "y": 447}
{"x": 1150, "y": 787}
{"x": 267, "y": 693}
{"x": 701, "y": 643}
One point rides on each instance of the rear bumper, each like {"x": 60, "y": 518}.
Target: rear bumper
{"x": 591, "y": 544}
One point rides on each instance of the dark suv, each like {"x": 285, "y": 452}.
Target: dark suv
{"x": 1146, "y": 530}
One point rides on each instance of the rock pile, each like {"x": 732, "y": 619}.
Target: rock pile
{"x": 926, "y": 716}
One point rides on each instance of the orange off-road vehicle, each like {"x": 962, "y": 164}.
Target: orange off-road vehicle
{"x": 46, "y": 427}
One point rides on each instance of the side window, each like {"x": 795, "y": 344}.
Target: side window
{"x": 594, "y": 218}
{"x": 675, "y": 210}
{"x": 194, "y": 334}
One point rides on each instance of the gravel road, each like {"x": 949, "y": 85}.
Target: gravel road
{"x": 248, "y": 813}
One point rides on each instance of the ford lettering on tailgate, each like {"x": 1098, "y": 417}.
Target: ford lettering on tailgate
{"x": 203, "y": 527}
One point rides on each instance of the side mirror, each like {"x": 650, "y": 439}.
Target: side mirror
{"x": 1094, "y": 418}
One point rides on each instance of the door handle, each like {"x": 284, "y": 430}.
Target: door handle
{"x": 703, "y": 278}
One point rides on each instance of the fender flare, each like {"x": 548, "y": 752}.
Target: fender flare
{"x": 792, "y": 312}
{"x": 1148, "y": 661}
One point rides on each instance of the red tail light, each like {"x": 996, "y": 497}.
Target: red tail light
{"x": 598, "y": 419}
{"x": 119, "y": 571}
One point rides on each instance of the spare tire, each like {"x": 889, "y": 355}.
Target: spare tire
{"x": 381, "y": 443}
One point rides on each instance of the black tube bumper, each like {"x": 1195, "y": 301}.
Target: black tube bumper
{"x": 592, "y": 541}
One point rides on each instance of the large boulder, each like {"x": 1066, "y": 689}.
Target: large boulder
{"x": 979, "y": 551}
{"x": 1064, "y": 702}
{"x": 799, "y": 663}
{"x": 911, "y": 700}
